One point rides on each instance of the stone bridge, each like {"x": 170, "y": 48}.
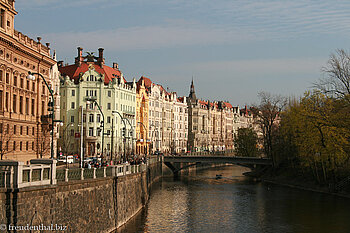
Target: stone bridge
{"x": 188, "y": 161}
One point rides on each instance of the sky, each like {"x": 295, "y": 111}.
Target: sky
{"x": 233, "y": 49}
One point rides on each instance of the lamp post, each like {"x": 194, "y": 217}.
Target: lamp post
{"x": 103, "y": 121}
{"x": 31, "y": 76}
{"x": 132, "y": 133}
{"x": 124, "y": 140}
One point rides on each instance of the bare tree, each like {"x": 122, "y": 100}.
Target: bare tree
{"x": 266, "y": 115}
{"x": 6, "y": 135}
{"x": 43, "y": 143}
{"x": 336, "y": 81}
{"x": 66, "y": 141}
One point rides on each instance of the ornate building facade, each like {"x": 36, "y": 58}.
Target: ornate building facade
{"x": 99, "y": 98}
{"x": 211, "y": 125}
{"x": 142, "y": 119}
{"x": 24, "y": 116}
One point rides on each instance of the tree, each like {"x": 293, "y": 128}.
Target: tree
{"x": 66, "y": 140}
{"x": 6, "y": 135}
{"x": 267, "y": 115}
{"x": 336, "y": 82}
{"x": 43, "y": 143}
{"x": 246, "y": 142}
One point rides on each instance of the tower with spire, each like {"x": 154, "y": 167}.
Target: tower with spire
{"x": 192, "y": 95}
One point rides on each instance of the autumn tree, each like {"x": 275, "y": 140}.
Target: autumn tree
{"x": 246, "y": 142}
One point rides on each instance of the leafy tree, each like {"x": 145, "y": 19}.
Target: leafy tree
{"x": 246, "y": 142}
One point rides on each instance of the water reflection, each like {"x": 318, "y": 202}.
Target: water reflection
{"x": 202, "y": 203}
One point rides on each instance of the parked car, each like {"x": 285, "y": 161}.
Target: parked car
{"x": 68, "y": 158}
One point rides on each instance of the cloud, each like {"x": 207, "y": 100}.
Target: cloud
{"x": 148, "y": 37}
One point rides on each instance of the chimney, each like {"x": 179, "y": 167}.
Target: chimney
{"x": 60, "y": 63}
{"x": 115, "y": 66}
{"x": 100, "y": 60}
{"x": 79, "y": 58}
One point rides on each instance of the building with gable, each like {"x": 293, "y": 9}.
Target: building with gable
{"x": 83, "y": 84}
{"x": 24, "y": 117}
{"x": 211, "y": 125}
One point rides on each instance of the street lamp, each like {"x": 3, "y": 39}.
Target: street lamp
{"x": 124, "y": 140}
{"x": 132, "y": 133}
{"x": 31, "y": 76}
{"x": 103, "y": 121}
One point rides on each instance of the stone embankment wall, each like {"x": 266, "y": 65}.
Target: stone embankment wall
{"x": 95, "y": 205}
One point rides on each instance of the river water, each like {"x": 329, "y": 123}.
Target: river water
{"x": 201, "y": 203}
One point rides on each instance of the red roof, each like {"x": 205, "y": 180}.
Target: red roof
{"x": 74, "y": 70}
{"x": 228, "y": 105}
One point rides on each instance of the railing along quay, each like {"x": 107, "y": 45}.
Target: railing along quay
{"x": 14, "y": 174}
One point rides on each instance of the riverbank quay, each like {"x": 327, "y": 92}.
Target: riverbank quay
{"x": 288, "y": 177}
{"x": 73, "y": 200}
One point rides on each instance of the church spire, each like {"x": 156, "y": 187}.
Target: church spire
{"x": 192, "y": 92}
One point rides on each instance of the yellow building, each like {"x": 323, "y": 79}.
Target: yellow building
{"x": 142, "y": 126}
{"x": 24, "y": 121}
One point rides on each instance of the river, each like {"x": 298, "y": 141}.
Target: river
{"x": 201, "y": 203}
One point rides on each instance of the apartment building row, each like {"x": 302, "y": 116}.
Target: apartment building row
{"x": 96, "y": 110}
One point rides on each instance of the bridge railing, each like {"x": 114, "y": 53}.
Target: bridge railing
{"x": 210, "y": 153}
{"x": 65, "y": 175}
{"x": 15, "y": 174}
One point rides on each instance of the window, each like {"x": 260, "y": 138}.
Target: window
{"x": 108, "y": 106}
{"x": 98, "y": 118}
{"x": 27, "y": 130}
{"x": 91, "y": 118}
{"x": 91, "y": 131}
{"x": 32, "y": 145}
{"x": 108, "y": 132}
{"x": 2, "y": 18}
{"x": 33, "y": 106}
{"x": 22, "y": 83}
{"x": 14, "y": 129}
{"x": 73, "y": 105}
{"x": 27, "y": 106}
{"x": 33, "y": 132}
{"x": 1, "y": 75}
{"x": 84, "y": 118}
{"x": 33, "y": 86}
{"x": 91, "y": 93}
{"x": 7, "y": 77}
{"x": 72, "y": 132}
{"x": 14, "y": 104}
{"x": 87, "y": 92}
{"x": 27, "y": 145}
{"x": 20, "y": 145}
{"x": 109, "y": 93}
{"x": 109, "y": 119}
{"x": 72, "y": 119}
{"x": 15, "y": 81}
{"x": 14, "y": 145}
{"x": 28, "y": 85}
{"x": 1, "y": 98}
{"x": 21, "y": 130}
{"x": 95, "y": 93}
{"x": 21, "y": 104}
{"x": 7, "y": 101}
{"x": 73, "y": 92}
{"x": 42, "y": 107}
